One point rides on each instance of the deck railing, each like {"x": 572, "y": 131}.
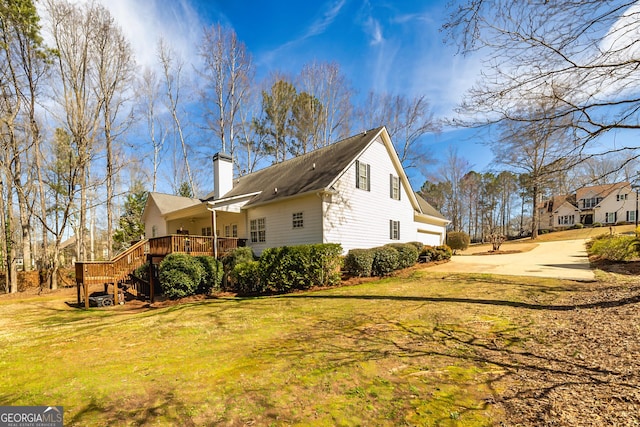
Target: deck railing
{"x": 119, "y": 268}
{"x": 194, "y": 245}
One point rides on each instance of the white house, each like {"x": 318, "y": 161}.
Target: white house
{"x": 354, "y": 192}
{"x": 604, "y": 204}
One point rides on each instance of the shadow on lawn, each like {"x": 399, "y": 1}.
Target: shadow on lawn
{"x": 517, "y": 304}
{"x": 145, "y": 410}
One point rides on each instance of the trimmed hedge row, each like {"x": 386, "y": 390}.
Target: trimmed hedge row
{"x": 383, "y": 260}
{"x": 285, "y": 269}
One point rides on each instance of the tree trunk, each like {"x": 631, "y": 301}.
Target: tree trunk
{"x": 536, "y": 215}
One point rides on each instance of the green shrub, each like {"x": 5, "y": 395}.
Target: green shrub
{"x": 385, "y": 261}
{"x": 246, "y": 278}
{"x": 289, "y": 268}
{"x": 597, "y": 224}
{"x": 233, "y": 258}
{"x": 282, "y": 270}
{"x": 180, "y": 275}
{"x": 358, "y": 262}
{"x": 212, "y": 276}
{"x": 458, "y": 240}
{"x": 614, "y": 248}
{"x": 325, "y": 262}
{"x": 436, "y": 253}
{"x": 407, "y": 254}
{"x": 578, "y": 226}
{"x": 418, "y": 245}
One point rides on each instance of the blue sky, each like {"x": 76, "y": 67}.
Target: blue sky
{"x": 384, "y": 46}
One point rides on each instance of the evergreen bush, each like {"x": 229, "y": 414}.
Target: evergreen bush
{"x": 358, "y": 262}
{"x": 407, "y": 254}
{"x": 614, "y": 248}
{"x": 212, "y": 276}
{"x": 180, "y": 275}
{"x": 385, "y": 261}
{"x": 246, "y": 278}
{"x": 458, "y": 240}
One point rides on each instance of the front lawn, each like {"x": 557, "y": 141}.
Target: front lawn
{"x": 424, "y": 349}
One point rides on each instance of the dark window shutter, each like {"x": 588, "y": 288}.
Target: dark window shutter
{"x": 357, "y": 174}
{"x": 390, "y": 229}
{"x": 399, "y": 189}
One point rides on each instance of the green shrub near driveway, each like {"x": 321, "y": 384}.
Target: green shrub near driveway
{"x": 358, "y": 262}
{"x": 407, "y": 254}
{"x": 436, "y": 253}
{"x": 458, "y": 240}
{"x": 614, "y": 248}
{"x": 385, "y": 261}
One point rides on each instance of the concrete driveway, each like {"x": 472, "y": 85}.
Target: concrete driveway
{"x": 566, "y": 259}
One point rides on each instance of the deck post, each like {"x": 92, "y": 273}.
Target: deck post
{"x": 151, "y": 282}
{"x": 86, "y": 294}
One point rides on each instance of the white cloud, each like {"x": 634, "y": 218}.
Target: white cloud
{"x": 373, "y": 28}
{"x": 144, "y": 22}
{"x": 321, "y": 24}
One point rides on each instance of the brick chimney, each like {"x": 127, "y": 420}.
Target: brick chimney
{"x": 222, "y": 174}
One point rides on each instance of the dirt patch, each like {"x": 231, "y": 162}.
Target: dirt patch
{"x": 498, "y": 252}
{"x": 619, "y": 267}
{"x": 580, "y": 364}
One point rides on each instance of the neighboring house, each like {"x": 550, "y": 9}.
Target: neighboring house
{"x": 354, "y": 192}
{"x": 604, "y": 204}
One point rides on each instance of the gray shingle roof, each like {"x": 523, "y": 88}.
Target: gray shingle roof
{"x": 169, "y": 203}
{"x": 427, "y": 209}
{"x": 313, "y": 171}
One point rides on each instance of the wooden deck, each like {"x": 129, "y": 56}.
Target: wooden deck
{"x": 117, "y": 271}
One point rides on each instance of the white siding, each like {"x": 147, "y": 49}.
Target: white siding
{"x": 612, "y": 204}
{"x": 358, "y": 218}
{"x": 154, "y": 219}
{"x": 279, "y": 222}
{"x": 565, "y": 209}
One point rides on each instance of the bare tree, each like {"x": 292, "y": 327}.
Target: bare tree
{"x": 541, "y": 149}
{"x": 71, "y": 29}
{"x": 407, "y": 120}
{"x": 22, "y": 64}
{"x": 148, "y": 93}
{"x": 582, "y": 56}
{"x": 326, "y": 83}
{"x": 227, "y": 74}
{"x": 452, "y": 172}
{"x": 172, "y": 73}
{"x": 113, "y": 69}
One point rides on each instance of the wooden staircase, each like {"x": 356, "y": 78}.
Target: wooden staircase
{"x": 118, "y": 270}
{"x": 114, "y": 272}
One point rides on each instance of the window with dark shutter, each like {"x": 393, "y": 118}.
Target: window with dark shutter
{"x": 363, "y": 176}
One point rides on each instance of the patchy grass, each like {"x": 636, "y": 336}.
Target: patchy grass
{"x": 425, "y": 349}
